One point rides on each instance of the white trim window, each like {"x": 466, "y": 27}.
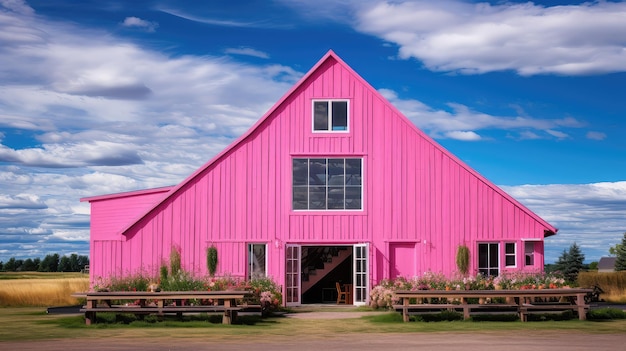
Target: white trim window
{"x": 257, "y": 261}
{"x": 529, "y": 253}
{"x": 510, "y": 257}
{"x": 489, "y": 259}
{"x": 330, "y": 116}
{"x": 321, "y": 184}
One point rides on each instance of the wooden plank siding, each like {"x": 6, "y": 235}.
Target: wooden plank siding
{"x": 414, "y": 192}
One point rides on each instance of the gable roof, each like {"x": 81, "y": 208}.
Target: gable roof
{"x": 126, "y": 194}
{"x": 330, "y": 55}
{"x": 607, "y": 263}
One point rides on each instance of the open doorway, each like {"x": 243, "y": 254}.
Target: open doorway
{"x": 321, "y": 268}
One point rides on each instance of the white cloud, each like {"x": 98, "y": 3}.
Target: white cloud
{"x": 105, "y": 122}
{"x": 247, "y": 52}
{"x": 462, "y": 123}
{"x": 140, "y": 23}
{"x": 596, "y": 135}
{"x": 557, "y": 134}
{"x": 472, "y": 38}
{"x": 592, "y": 215}
{"x": 463, "y": 135}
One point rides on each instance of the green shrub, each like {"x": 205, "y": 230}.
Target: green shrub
{"x": 606, "y": 313}
{"x": 440, "y": 317}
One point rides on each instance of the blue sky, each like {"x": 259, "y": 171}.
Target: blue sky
{"x": 99, "y": 97}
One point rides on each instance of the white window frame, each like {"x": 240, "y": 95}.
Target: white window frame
{"x": 327, "y": 186}
{"x": 530, "y": 254}
{"x": 250, "y": 266}
{"x": 507, "y": 255}
{"x": 329, "y": 128}
{"x": 490, "y": 266}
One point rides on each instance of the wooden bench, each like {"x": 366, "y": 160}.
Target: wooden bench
{"x": 230, "y": 313}
{"x": 522, "y": 302}
{"x": 155, "y": 303}
{"x": 526, "y": 309}
{"x": 467, "y": 309}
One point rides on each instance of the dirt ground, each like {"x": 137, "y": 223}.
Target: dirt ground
{"x": 487, "y": 341}
{"x": 422, "y": 341}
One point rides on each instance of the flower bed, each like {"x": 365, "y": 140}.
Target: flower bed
{"x": 266, "y": 292}
{"x": 381, "y": 296}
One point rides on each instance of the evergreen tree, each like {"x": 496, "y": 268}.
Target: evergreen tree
{"x": 29, "y": 265}
{"x": 571, "y": 262}
{"x": 620, "y": 261}
{"x": 64, "y": 264}
{"x": 1, "y": 266}
{"x": 11, "y": 265}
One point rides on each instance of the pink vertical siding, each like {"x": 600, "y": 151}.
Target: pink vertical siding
{"x": 415, "y": 192}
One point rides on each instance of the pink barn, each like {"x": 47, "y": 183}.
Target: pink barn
{"x": 332, "y": 184}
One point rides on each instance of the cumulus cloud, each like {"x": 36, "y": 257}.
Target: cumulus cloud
{"x": 473, "y": 38}
{"x": 577, "y": 210}
{"x": 463, "y": 135}
{"x": 136, "y": 22}
{"x": 462, "y": 123}
{"x": 104, "y": 122}
{"x": 21, "y": 201}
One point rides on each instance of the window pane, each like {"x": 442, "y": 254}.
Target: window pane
{"x": 335, "y": 197}
{"x": 483, "y": 258}
{"x": 320, "y": 115}
{"x": 510, "y": 248}
{"x": 353, "y": 171}
{"x": 317, "y": 171}
{"x": 300, "y": 198}
{"x": 510, "y": 260}
{"x": 493, "y": 255}
{"x": 335, "y": 171}
{"x": 300, "y": 171}
{"x": 256, "y": 255}
{"x": 317, "y": 198}
{"x": 340, "y": 115}
{"x": 353, "y": 198}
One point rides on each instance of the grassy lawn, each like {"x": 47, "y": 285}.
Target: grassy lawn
{"x": 29, "y": 323}
{"x": 18, "y": 323}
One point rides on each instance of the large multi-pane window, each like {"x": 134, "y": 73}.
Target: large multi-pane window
{"x": 327, "y": 184}
{"x": 488, "y": 259}
{"x": 257, "y": 261}
{"x": 330, "y": 115}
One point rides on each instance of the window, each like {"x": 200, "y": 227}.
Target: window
{"x": 509, "y": 255}
{"x": 257, "y": 262}
{"x": 327, "y": 184}
{"x": 488, "y": 262}
{"x": 529, "y": 253}
{"x": 330, "y": 115}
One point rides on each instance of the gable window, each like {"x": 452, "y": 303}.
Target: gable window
{"x": 327, "y": 184}
{"x": 330, "y": 115}
{"x": 509, "y": 255}
{"x": 488, "y": 262}
{"x": 257, "y": 261}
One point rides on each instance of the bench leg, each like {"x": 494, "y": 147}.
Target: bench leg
{"x": 228, "y": 317}
{"x": 90, "y": 317}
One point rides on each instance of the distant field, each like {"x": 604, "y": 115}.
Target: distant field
{"x": 38, "y": 289}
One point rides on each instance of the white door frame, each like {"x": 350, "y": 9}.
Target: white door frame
{"x": 361, "y": 278}
{"x": 293, "y": 279}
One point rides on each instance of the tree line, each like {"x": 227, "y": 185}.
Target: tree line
{"x": 50, "y": 263}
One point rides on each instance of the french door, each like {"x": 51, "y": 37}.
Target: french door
{"x": 292, "y": 275}
{"x": 361, "y": 274}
